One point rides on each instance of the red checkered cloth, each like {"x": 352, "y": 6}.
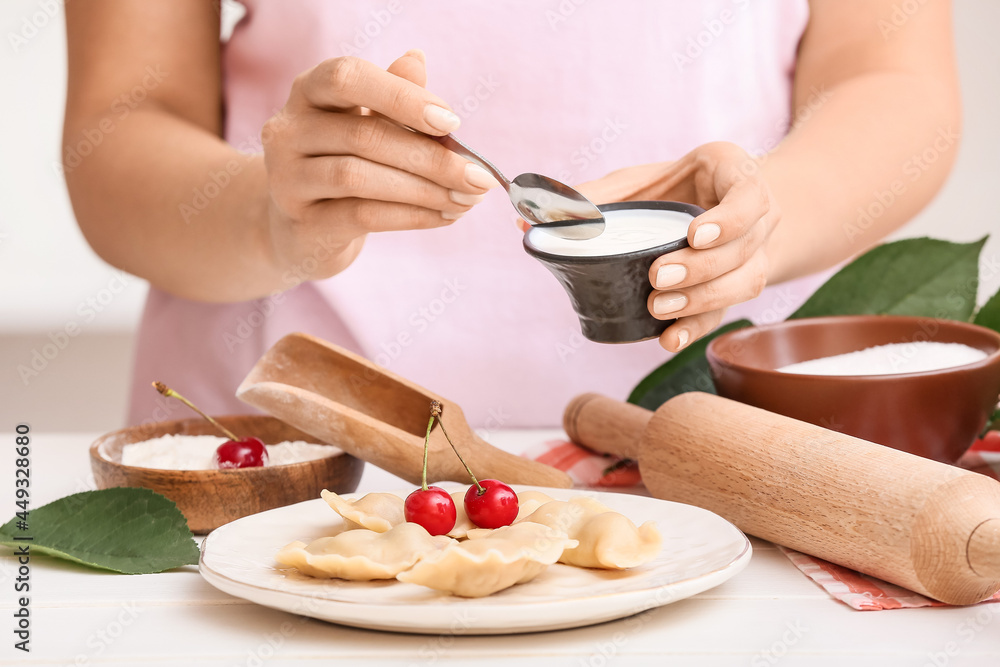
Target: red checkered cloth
{"x": 858, "y": 591}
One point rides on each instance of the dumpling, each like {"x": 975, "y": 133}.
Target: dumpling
{"x": 463, "y": 524}
{"x": 524, "y": 531}
{"x": 375, "y": 511}
{"x": 528, "y": 502}
{"x": 363, "y": 555}
{"x": 589, "y": 504}
{"x": 497, "y": 560}
{"x": 565, "y": 515}
{"x": 611, "y": 541}
{"x": 606, "y": 539}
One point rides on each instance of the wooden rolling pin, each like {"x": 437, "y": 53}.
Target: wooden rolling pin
{"x": 920, "y": 524}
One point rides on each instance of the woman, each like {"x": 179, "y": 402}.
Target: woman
{"x": 243, "y": 240}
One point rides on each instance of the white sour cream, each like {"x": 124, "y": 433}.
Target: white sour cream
{"x": 625, "y": 231}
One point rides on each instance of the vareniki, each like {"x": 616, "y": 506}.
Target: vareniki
{"x": 500, "y": 559}
{"x": 606, "y": 539}
{"x": 375, "y": 511}
{"x": 378, "y": 543}
{"x": 362, "y": 555}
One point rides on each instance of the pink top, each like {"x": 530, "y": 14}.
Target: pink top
{"x": 572, "y": 90}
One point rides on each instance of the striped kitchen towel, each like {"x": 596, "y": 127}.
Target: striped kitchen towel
{"x": 858, "y": 591}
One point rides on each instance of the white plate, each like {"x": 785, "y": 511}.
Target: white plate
{"x": 700, "y": 550}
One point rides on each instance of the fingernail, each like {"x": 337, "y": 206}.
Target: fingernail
{"x": 479, "y": 177}
{"x": 418, "y": 54}
{"x": 682, "y": 339}
{"x": 706, "y": 234}
{"x": 464, "y": 198}
{"x": 441, "y": 119}
{"x": 669, "y": 275}
{"x": 448, "y": 215}
{"x": 668, "y": 302}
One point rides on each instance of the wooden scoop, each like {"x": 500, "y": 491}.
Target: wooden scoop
{"x": 924, "y": 525}
{"x": 375, "y": 415}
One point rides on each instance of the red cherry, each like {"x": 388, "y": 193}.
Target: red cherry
{"x": 493, "y": 507}
{"x": 431, "y": 508}
{"x": 246, "y": 453}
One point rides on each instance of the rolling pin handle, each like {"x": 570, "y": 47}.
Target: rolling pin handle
{"x": 984, "y": 549}
{"x": 606, "y": 425}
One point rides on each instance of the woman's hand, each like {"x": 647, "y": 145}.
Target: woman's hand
{"x": 341, "y": 162}
{"x": 726, "y": 263}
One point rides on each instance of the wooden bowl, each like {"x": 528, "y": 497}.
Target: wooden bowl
{"x": 935, "y": 414}
{"x": 211, "y": 498}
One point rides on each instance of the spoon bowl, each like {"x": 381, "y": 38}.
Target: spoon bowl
{"x": 542, "y": 201}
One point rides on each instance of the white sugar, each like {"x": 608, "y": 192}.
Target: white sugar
{"x": 195, "y": 452}
{"x": 891, "y": 359}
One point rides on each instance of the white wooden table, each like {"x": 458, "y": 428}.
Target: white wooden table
{"x": 769, "y": 614}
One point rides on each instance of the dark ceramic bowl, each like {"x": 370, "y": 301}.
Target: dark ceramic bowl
{"x": 610, "y": 292}
{"x": 935, "y": 414}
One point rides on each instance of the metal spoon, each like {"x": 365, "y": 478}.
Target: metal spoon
{"x": 541, "y": 201}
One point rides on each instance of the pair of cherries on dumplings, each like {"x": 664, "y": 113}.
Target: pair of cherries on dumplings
{"x": 234, "y": 453}
{"x": 489, "y": 503}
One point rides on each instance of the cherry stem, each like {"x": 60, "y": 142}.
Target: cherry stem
{"x": 427, "y": 439}
{"x": 436, "y": 412}
{"x": 170, "y": 393}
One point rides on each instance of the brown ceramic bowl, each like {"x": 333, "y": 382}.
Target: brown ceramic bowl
{"x": 211, "y": 498}
{"x": 936, "y": 414}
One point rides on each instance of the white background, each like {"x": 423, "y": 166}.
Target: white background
{"x": 47, "y": 271}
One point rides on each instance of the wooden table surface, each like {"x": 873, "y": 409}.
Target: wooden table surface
{"x": 769, "y": 614}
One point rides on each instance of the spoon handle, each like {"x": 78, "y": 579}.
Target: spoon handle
{"x": 453, "y": 144}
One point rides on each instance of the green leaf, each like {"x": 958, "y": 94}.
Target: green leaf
{"x": 989, "y": 315}
{"x": 992, "y": 424}
{"x": 922, "y": 277}
{"x": 685, "y": 371}
{"x": 128, "y": 530}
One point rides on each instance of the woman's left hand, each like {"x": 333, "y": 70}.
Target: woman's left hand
{"x": 726, "y": 263}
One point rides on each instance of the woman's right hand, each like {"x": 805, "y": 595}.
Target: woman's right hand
{"x": 341, "y": 162}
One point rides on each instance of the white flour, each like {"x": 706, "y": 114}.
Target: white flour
{"x": 890, "y": 360}
{"x": 195, "y": 452}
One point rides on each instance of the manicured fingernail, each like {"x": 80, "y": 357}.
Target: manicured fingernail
{"x": 441, "y": 119}
{"x": 448, "y": 215}
{"x": 669, "y": 275}
{"x": 479, "y": 177}
{"x": 464, "y": 198}
{"x": 522, "y": 225}
{"x": 418, "y": 54}
{"x": 668, "y": 302}
{"x": 682, "y": 339}
{"x": 706, "y": 234}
